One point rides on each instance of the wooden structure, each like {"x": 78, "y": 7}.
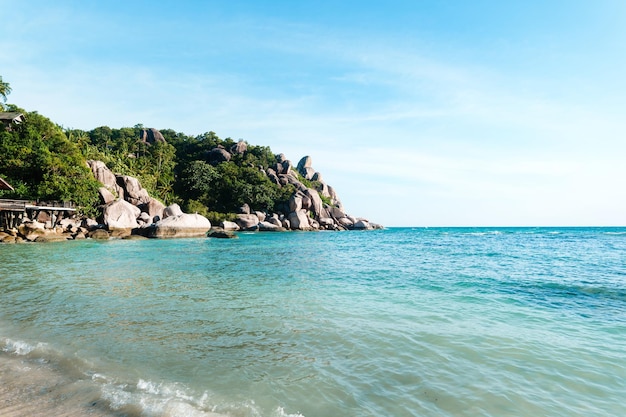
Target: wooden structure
{"x": 11, "y": 118}
{"x": 13, "y": 212}
{"x": 5, "y": 185}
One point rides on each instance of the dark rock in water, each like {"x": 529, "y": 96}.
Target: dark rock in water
{"x": 222, "y": 234}
{"x": 99, "y": 234}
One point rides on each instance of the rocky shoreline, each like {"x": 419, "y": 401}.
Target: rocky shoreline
{"x": 128, "y": 211}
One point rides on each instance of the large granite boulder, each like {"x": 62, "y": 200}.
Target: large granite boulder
{"x": 106, "y": 196}
{"x": 182, "y": 225}
{"x": 106, "y": 177}
{"x": 134, "y": 193}
{"x": 299, "y": 220}
{"x": 239, "y": 147}
{"x": 154, "y": 208}
{"x": 121, "y": 214}
{"x": 172, "y": 210}
{"x": 150, "y": 136}
{"x": 247, "y": 221}
{"x": 305, "y": 168}
{"x": 217, "y": 155}
{"x": 228, "y": 226}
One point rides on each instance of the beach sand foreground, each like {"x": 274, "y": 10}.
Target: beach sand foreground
{"x": 34, "y": 389}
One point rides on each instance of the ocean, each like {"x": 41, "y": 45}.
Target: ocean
{"x": 395, "y": 322}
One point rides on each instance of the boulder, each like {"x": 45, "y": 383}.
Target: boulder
{"x": 226, "y": 225}
{"x": 239, "y": 147}
{"x": 217, "y": 155}
{"x": 99, "y": 234}
{"x": 150, "y": 136}
{"x": 245, "y": 209}
{"x": 154, "y": 208}
{"x": 261, "y": 216}
{"x": 121, "y": 214}
{"x": 182, "y": 225}
{"x": 172, "y": 210}
{"x": 295, "y": 203}
{"x": 247, "y": 221}
{"x": 106, "y": 177}
{"x": 317, "y": 205}
{"x": 361, "y": 224}
{"x": 222, "y": 234}
{"x": 106, "y": 196}
{"x": 269, "y": 227}
{"x": 31, "y": 230}
{"x": 134, "y": 193}
{"x": 299, "y": 220}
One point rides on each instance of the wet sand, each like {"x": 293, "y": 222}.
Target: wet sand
{"x": 34, "y": 389}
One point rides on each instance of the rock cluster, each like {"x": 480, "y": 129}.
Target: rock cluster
{"x": 128, "y": 209}
{"x": 314, "y": 205}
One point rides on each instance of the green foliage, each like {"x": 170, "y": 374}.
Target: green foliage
{"x": 5, "y": 90}
{"x": 45, "y": 164}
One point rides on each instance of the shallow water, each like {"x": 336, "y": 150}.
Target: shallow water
{"x": 398, "y": 322}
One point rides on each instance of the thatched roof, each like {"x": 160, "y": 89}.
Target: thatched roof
{"x": 5, "y": 185}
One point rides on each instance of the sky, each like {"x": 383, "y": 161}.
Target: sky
{"x": 419, "y": 113}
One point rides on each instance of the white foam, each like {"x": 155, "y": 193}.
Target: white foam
{"x": 19, "y": 347}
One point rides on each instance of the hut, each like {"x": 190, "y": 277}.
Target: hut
{"x": 10, "y": 119}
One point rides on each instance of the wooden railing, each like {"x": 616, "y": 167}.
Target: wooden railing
{"x": 13, "y": 205}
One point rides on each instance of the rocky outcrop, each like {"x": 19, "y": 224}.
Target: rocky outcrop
{"x": 217, "y": 155}
{"x": 181, "y": 225}
{"x": 150, "y": 136}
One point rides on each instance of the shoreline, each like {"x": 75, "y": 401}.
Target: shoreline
{"x": 35, "y": 389}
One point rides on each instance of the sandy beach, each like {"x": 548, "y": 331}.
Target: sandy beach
{"x": 33, "y": 389}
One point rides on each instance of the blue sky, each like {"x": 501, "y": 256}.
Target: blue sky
{"x": 419, "y": 113}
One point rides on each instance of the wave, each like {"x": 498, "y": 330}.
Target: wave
{"x": 97, "y": 390}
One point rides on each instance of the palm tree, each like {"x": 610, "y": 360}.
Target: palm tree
{"x": 5, "y": 90}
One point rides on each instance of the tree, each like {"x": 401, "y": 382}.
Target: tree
{"x": 5, "y": 90}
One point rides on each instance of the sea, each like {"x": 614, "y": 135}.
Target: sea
{"x": 395, "y": 322}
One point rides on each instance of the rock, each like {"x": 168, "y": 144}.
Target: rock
{"x": 154, "y": 208}
{"x": 172, "y": 210}
{"x": 106, "y": 177}
{"x": 226, "y": 225}
{"x": 317, "y": 205}
{"x": 31, "y": 230}
{"x": 280, "y": 158}
{"x": 222, "y": 234}
{"x": 182, "y": 225}
{"x": 99, "y": 234}
{"x": 121, "y": 214}
{"x": 361, "y": 224}
{"x": 106, "y": 196}
{"x": 239, "y": 147}
{"x": 70, "y": 224}
{"x": 305, "y": 162}
{"x": 299, "y": 220}
{"x": 217, "y": 155}
{"x": 260, "y": 215}
{"x": 52, "y": 237}
{"x": 89, "y": 224}
{"x": 145, "y": 217}
{"x": 151, "y": 136}
{"x": 245, "y": 209}
{"x": 274, "y": 220}
{"x": 269, "y": 227}
{"x": 134, "y": 193}
{"x": 295, "y": 203}
{"x": 247, "y": 221}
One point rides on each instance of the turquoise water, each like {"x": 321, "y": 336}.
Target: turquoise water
{"x": 397, "y": 322}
